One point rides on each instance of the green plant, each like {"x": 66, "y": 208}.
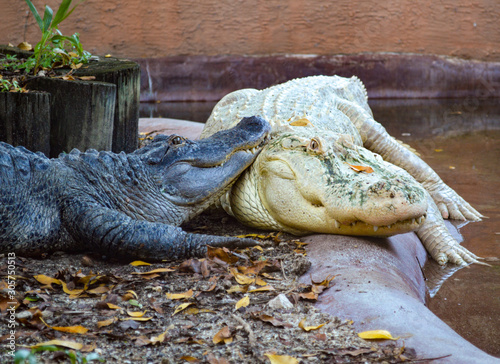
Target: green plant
{"x": 55, "y": 49}
{"x": 28, "y": 356}
{"x": 9, "y": 85}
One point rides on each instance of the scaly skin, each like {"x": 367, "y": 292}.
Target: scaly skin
{"x": 122, "y": 205}
{"x": 304, "y": 180}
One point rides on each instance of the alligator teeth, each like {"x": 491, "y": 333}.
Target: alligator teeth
{"x": 375, "y": 228}
{"x": 420, "y": 219}
{"x": 412, "y": 221}
{"x": 388, "y": 226}
{"x": 337, "y": 224}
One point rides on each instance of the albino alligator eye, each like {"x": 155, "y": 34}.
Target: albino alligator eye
{"x": 314, "y": 144}
{"x": 177, "y": 140}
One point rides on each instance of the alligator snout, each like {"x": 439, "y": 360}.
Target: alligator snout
{"x": 391, "y": 201}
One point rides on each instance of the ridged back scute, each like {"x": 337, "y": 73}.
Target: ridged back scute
{"x": 18, "y": 164}
{"x": 154, "y": 152}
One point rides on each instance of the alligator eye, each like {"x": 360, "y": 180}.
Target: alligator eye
{"x": 177, "y": 140}
{"x": 314, "y": 144}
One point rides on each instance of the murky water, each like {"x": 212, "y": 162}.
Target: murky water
{"x": 460, "y": 140}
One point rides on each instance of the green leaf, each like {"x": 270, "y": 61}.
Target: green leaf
{"x": 69, "y": 13}
{"x": 47, "y": 18}
{"x": 21, "y": 355}
{"x": 61, "y": 12}
{"x": 35, "y": 14}
{"x": 94, "y": 356}
{"x": 135, "y": 303}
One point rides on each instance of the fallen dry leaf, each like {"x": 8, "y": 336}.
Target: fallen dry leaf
{"x": 106, "y": 322}
{"x": 241, "y": 278}
{"x": 377, "y": 334}
{"x": 244, "y": 302}
{"x": 195, "y": 311}
{"x": 309, "y": 296}
{"x": 324, "y": 282}
{"x": 65, "y": 343}
{"x": 86, "y": 78}
{"x": 160, "y": 338}
{"x": 136, "y": 313}
{"x": 43, "y": 279}
{"x": 182, "y": 307}
{"x": 222, "y": 253}
{"x": 25, "y": 46}
{"x": 281, "y": 359}
{"x": 136, "y": 263}
{"x": 260, "y": 282}
{"x": 71, "y": 329}
{"x": 224, "y": 335}
{"x": 100, "y": 290}
{"x": 158, "y": 270}
{"x": 309, "y": 328}
{"x": 262, "y": 289}
{"x": 113, "y": 306}
{"x": 137, "y": 319}
{"x": 237, "y": 289}
{"x": 270, "y": 319}
{"x": 366, "y": 169}
{"x": 179, "y": 296}
{"x": 301, "y": 122}
{"x": 255, "y": 268}
{"x": 190, "y": 359}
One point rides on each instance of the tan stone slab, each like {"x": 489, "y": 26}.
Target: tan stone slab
{"x": 188, "y": 129}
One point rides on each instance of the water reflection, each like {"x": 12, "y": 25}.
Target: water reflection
{"x": 459, "y": 139}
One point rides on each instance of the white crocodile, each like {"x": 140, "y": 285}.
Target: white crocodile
{"x": 331, "y": 168}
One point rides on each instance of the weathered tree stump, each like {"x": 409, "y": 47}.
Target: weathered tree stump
{"x": 25, "y": 120}
{"x": 102, "y": 114}
{"x": 126, "y": 75}
{"x": 81, "y": 113}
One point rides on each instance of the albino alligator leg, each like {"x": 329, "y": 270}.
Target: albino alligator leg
{"x": 449, "y": 203}
{"x": 439, "y": 242}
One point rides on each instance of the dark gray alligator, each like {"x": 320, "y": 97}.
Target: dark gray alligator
{"x": 122, "y": 205}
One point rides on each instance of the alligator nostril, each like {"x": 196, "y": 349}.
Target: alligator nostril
{"x": 392, "y": 195}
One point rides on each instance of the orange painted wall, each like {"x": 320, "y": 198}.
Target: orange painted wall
{"x": 160, "y": 28}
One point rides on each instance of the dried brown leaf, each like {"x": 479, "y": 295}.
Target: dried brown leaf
{"x": 244, "y": 302}
{"x": 309, "y": 328}
{"x": 222, "y": 253}
{"x": 179, "y": 296}
{"x": 366, "y": 169}
{"x": 224, "y": 335}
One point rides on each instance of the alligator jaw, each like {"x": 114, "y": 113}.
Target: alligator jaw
{"x": 214, "y": 163}
{"x": 361, "y": 228}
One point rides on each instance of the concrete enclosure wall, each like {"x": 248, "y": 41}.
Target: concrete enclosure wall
{"x": 164, "y": 28}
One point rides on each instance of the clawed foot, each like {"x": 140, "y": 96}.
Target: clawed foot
{"x": 452, "y": 252}
{"x": 451, "y": 205}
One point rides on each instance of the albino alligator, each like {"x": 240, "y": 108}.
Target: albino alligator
{"x": 122, "y": 205}
{"x": 331, "y": 168}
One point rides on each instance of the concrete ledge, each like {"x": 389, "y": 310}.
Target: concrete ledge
{"x": 385, "y": 75}
{"x": 379, "y": 285}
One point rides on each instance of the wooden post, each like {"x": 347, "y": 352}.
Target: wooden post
{"x": 25, "y": 120}
{"x": 81, "y": 113}
{"x": 80, "y": 128}
{"x": 126, "y": 75}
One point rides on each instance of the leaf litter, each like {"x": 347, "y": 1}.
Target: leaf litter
{"x": 214, "y": 309}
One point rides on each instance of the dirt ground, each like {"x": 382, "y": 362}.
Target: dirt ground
{"x": 246, "y": 307}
